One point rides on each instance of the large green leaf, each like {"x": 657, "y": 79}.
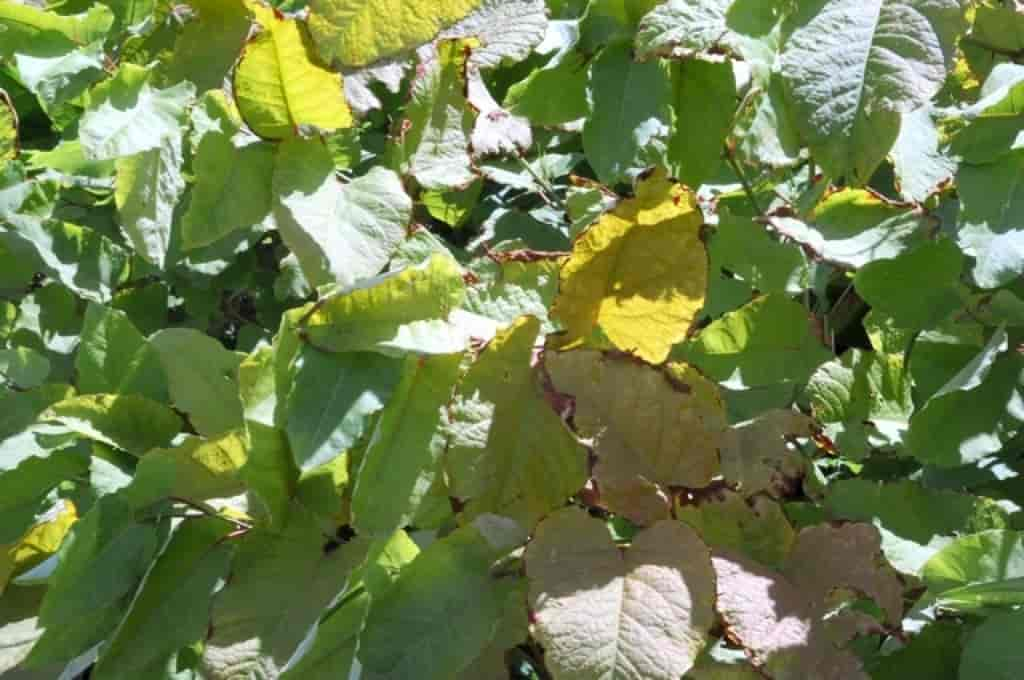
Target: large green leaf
{"x": 451, "y": 581}
{"x": 280, "y": 583}
{"x": 172, "y": 608}
{"x": 202, "y": 379}
{"x": 128, "y": 115}
{"x": 149, "y": 186}
{"x": 233, "y": 191}
{"x": 619, "y": 139}
{"x": 130, "y": 422}
{"x": 341, "y": 233}
{"x": 991, "y": 653}
{"x": 767, "y": 341}
{"x": 100, "y": 564}
{"x": 114, "y": 357}
{"x": 852, "y": 67}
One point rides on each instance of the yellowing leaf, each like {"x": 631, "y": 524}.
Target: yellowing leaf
{"x": 639, "y": 276}
{"x": 605, "y": 613}
{"x": 510, "y": 453}
{"x": 279, "y": 85}
{"x": 8, "y": 128}
{"x": 650, "y": 426}
{"x": 359, "y": 32}
{"x": 38, "y": 543}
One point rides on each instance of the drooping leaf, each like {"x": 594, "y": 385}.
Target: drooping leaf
{"x": 639, "y": 276}
{"x": 149, "y": 186}
{"x": 172, "y": 607}
{"x": 403, "y": 455}
{"x": 703, "y": 100}
{"x": 208, "y": 46}
{"x": 332, "y": 399}
{"x": 660, "y": 591}
{"x": 280, "y": 86}
{"x": 509, "y": 453}
{"x": 406, "y": 311}
{"x": 129, "y": 422}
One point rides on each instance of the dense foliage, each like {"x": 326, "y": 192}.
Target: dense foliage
{"x": 488, "y": 339}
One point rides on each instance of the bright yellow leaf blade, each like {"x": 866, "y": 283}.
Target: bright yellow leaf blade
{"x": 279, "y": 85}
{"x": 639, "y": 276}
{"x": 38, "y": 543}
{"x": 359, "y": 32}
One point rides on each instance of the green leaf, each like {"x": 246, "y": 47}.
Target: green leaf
{"x": 25, "y": 484}
{"x": 765, "y": 342}
{"x": 968, "y": 417}
{"x": 985, "y": 557}
{"x": 114, "y": 357}
{"x": 918, "y": 288}
{"x": 854, "y": 227}
{"x": 920, "y": 164}
{"x": 357, "y": 33}
{"x": 405, "y": 311}
{"x": 755, "y": 527}
{"x": 149, "y": 186}
{"x": 280, "y": 87}
{"x": 23, "y": 367}
{"x": 207, "y": 47}
{"x": 127, "y": 115}
{"x": 19, "y": 629}
{"x": 704, "y": 103}
{"x": 402, "y": 457}
{"x": 933, "y": 654}
{"x": 864, "y": 400}
{"x": 233, "y": 191}
{"x": 991, "y": 651}
{"x": 332, "y": 399}
{"x": 87, "y": 262}
{"x": 130, "y": 422}
{"x": 280, "y": 584}
{"x": 915, "y": 522}
{"x": 450, "y": 581}
{"x": 172, "y": 607}
{"x": 988, "y": 229}
{"x": 341, "y": 233}
{"x": 102, "y": 561}
{"x": 509, "y": 453}
{"x": 436, "y": 148}
{"x": 748, "y": 252}
{"x": 202, "y": 379}
{"x": 619, "y": 140}
{"x": 661, "y": 591}
{"x": 852, "y": 67}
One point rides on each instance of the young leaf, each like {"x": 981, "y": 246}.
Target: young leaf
{"x": 280, "y": 86}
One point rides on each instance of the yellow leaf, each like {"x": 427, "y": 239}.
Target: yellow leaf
{"x": 279, "y": 85}
{"x": 38, "y": 543}
{"x": 359, "y": 32}
{"x": 639, "y": 276}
